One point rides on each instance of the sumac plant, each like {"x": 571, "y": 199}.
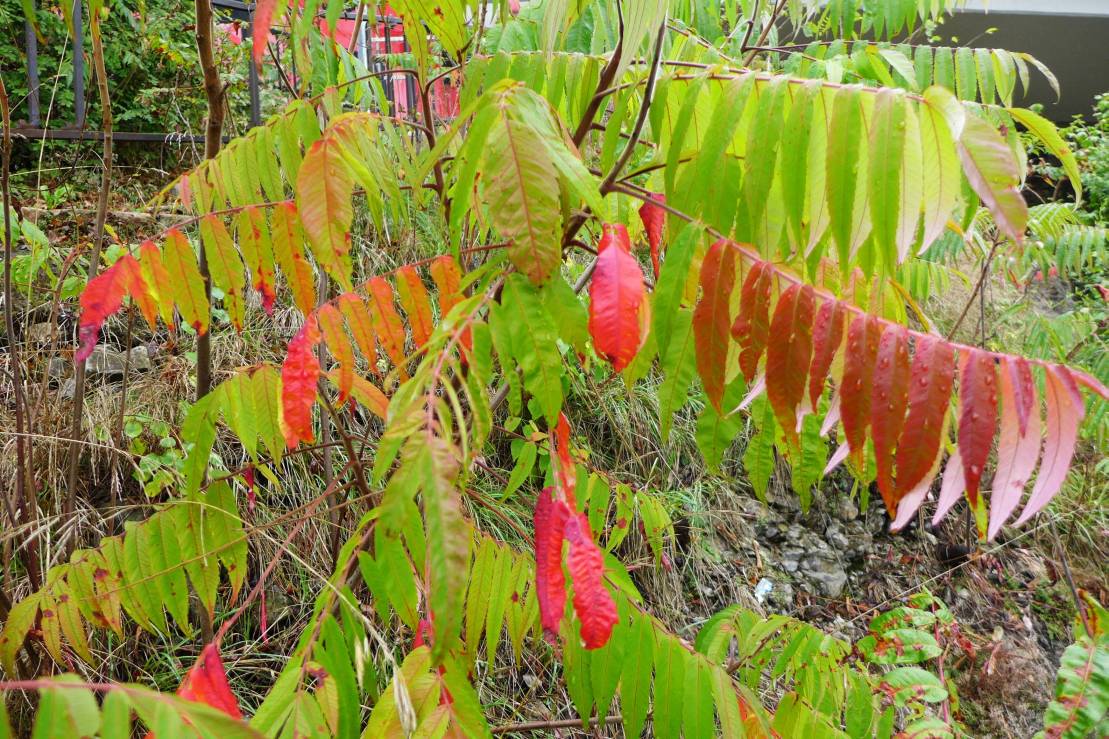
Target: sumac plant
{"x": 629, "y": 187}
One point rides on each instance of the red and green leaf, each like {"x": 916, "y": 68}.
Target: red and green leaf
{"x": 654, "y": 223}
{"x": 931, "y": 379}
{"x": 1018, "y": 444}
{"x": 157, "y": 279}
{"x": 335, "y": 336}
{"x": 288, "y": 249}
{"x": 550, "y": 582}
{"x": 225, "y": 267}
{"x": 324, "y": 188}
{"x": 361, "y": 327}
{"x": 103, "y": 297}
{"x": 206, "y": 682}
{"x": 711, "y": 318}
{"x": 254, "y": 242}
{"x": 187, "y": 284}
{"x": 386, "y": 321}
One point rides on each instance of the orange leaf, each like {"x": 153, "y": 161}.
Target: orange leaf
{"x": 324, "y": 188}
{"x": 711, "y": 318}
{"x": 299, "y": 375}
{"x": 752, "y": 326}
{"x": 615, "y": 296}
{"x": 386, "y": 321}
{"x": 931, "y": 379}
{"x": 654, "y": 221}
{"x": 288, "y": 249}
{"x": 567, "y": 472}
{"x": 413, "y": 298}
{"x": 592, "y": 602}
{"x": 977, "y": 416}
{"x": 365, "y": 393}
{"x": 331, "y": 321}
{"x": 887, "y": 410}
{"x": 858, "y": 373}
{"x": 788, "y": 356}
{"x": 361, "y": 328}
{"x": 263, "y": 19}
{"x": 550, "y": 583}
{"x": 157, "y": 279}
{"x": 188, "y": 286}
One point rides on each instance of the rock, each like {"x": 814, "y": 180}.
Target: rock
{"x": 846, "y": 508}
{"x": 824, "y": 569}
{"x": 40, "y": 333}
{"x": 57, "y": 368}
{"x": 810, "y": 558}
{"x": 105, "y": 361}
{"x": 69, "y": 387}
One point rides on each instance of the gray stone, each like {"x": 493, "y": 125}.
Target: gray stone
{"x": 811, "y": 560}
{"x": 40, "y": 333}
{"x": 846, "y": 508}
{"x": 105, "y": 361}
{"x": 57, "y": 368}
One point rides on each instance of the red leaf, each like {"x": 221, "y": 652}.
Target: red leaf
{"x": 550, "y": 582}
{"x": 977, "y": 416}
{"x": 1065, "y": 411}
{"x": 592, "y": 602}
{"x": 1017, "y": 448}
{"x": 752, "y": 326}
{"x": 331, "y": 321}
{"x": 615, "y": 296}
{"x": 788, "y": 356}
{"x": 827, "y": 334}
{"x": 711, "y": 318}
{"x": 299, "y": 375}
{"x": 567, "y": 472}
{"x": 263, "y": 19}
{"x": 361, "y": 327}
{"x": 386, "y": 321}
{"x": 1024, "y": 391}
{"x": 207, "y": 683}
{"x": 932, "y": 377}
{"x": 887, "y": 409}
{"x": 103, "y": 296}
{"x": 654, "y": 221}
{"x": 413, "y": 298}
{"x": 858, "y": 373}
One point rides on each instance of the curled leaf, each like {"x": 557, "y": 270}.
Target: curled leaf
{"x": 550, "y": 583}
{"x": 592, "y": 602}
{"x": 615, "y": 298}
{"x": 654, "y": 221}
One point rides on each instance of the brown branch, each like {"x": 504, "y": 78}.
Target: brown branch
{"x": 567, "y": 723}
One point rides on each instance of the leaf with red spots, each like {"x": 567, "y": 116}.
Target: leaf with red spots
{"x": 977, "y": 416}
{"x": 827, "y": 334}
{"x": 323, "y": 197}
{"x": 592, "y": 602}
{"x": 711, "y": 318}
{"x": 752, "y": 326}
{"x": 386, "y": 321}
{"x": 254, "y": 241}
{"x": 1065, "y": 411}
{"x": 789, "y": 355}
{"x": 207, "y": 683}
{"x": 931, "y": 378}
{"x": 887, "y": 409}
{"x": 335, "y": 336}
{"x": 1018, "y": 445}
{"x": 616, "y": 295}
{"x": 654, "y": 221}
{"x": 858, "y": 374}
{"x": 288, "y": 249}
{"x": 550, "y": 582}
{"x": 413, "y": 298}
{"x": 225, "y": 266}
{"x": 187, "y": 284}
{"x": 299, "y": 375}
{"x": 365, "y": 393}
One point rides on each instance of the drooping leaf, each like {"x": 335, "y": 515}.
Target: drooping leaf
{"x": 361, "y": 327}
{"x": 654, "y": 223}
{"x": 827, "y": 335}
{"x": 1017, "y": 449}
{"x": 931, "y": 378}
{"x": 789, "y": 354}
{"x": 225, "y": 267}
{"x": 103, "y": 296}
{"x": 857, "y": 385}
{"x": 386, "y": 321}
{"x": 977, "y": 416}
{"x": 157, "y": 280}
{"x": 206, "y": 682}
{"x": 992, "y": 171}
{"x": 188, "y": 286}
{"x": 616, "y": 299}
{"x": 335, "y": 337}
{"x": 288, "y": 249}
{"x": 711, "y": 318}
{"x": 752, "y": 326}
{"x": 414, "y": 299}
{"x": 1065, "y": 411}
{"x": 887, "y": 409}
{"x": 550, "y": 582}
{"x": 593, "y": 604}
{"x": 257, "y": 249}
{"x": 324, "y": 188}
{"x": 299, "y": 375}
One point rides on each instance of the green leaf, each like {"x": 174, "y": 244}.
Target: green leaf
{"x": 671, "y": 685}
{"x": 715, "y": 432}
{"x": 18, "y": 624}
{"x": 525, "y": 462}
{"x": 697, "y": 719}
{"x": 887, "y": 142}
{"x": 913, "y": 683}
{"x": 668, "y": 293}
{"x": 992, "y": 171}
{"x": 68, "y": 712}
{"x": 678, "y": 367}
{"x": 758, "y": 457}
{"x": 846, "y": 135}
{"x": 635, "y": 680}
{"x": 115, "y": 716}
{"x": 1046, "y": 132}
{"x": 534, "y": 347}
